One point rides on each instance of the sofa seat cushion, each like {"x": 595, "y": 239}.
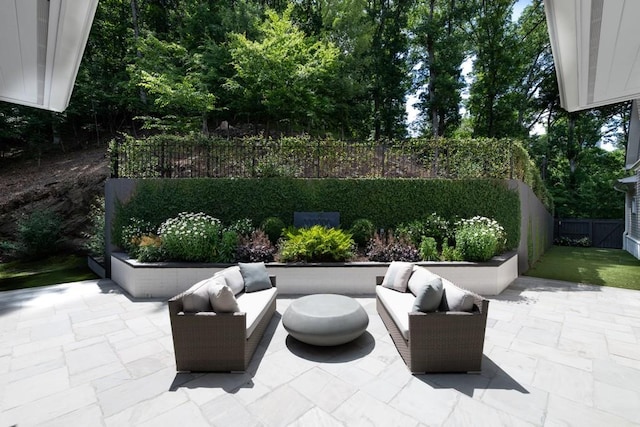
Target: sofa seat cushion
{"x": 233, "y": 277}
{"x": 255, "y": 305}
{"x": 399, "y": 305}
{"x": 196, "y": 298}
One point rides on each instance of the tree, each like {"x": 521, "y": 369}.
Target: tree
{"x": 284, "y": 74}
{"x": 495, "y": 46}
{"x": 173, "y": 77}
{"x": 438, "y": 50}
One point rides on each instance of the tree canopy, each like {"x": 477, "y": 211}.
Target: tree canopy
{"x": 333, "y": 68}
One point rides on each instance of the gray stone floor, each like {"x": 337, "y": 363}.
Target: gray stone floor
{"x": 84, "y": 354}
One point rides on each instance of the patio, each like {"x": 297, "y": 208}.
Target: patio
{"x": 86, "y": 354}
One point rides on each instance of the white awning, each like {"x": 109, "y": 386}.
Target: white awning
{"x": 596, "y": 50}
{"x": 629, "y": 180}
{"x": 41, "y": 46}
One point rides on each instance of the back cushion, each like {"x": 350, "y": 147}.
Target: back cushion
{"x": 233, "y": 278}
{"x": 222, "y": 298}
{"x": 456, "y": 299}
{"x": 397, "y": 276}
{"x": 196, "y": 298}
{"x": 428, "y": 289}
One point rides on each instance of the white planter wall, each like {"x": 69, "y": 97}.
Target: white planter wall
{"x": 165, "y": 280}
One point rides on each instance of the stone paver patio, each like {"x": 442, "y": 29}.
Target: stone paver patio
{"x": 84, "y": 354}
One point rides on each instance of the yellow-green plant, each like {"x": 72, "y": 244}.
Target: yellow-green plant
{"x": 316, "y": 244}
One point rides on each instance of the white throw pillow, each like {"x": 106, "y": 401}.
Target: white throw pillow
{"x": 233, "y": 278}
{"x": 397, "y": 276}
{"x": 222, "y": 298}
{"x": 196, "y": 298}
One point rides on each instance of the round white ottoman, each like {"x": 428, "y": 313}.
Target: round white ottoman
{"x": 325, "y": 319}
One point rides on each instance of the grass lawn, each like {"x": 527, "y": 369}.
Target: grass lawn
{"x": 50, "y": 271}
{"x": 594, "y": 266}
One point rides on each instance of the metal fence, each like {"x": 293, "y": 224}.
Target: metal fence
{"x": 603, "y": 233}
{"x": 174, "y": 157}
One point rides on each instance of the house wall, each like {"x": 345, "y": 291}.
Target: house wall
{"x": 631, "y": 241}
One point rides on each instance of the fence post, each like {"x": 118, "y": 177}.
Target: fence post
{"x": 318, "y": 159}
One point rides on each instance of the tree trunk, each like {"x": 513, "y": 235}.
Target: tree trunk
{"x": 432, "y": 76}
{"x": 136, "y": 36}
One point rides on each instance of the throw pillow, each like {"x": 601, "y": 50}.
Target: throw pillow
{"x": 428, "y": 289}
{"x": 233, "y": 278}
{"x": 456, "y": 299}
{"x": 397, "y": 276}
{"x": 222, "y": 298}
{"x": 196, "y": 298}
{"x": 255, "y": 276}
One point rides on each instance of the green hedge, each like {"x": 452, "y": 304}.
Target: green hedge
{"x": 386, "y": 202}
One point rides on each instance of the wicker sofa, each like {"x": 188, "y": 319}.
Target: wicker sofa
{"x": 207, "y": 341}
{"x": 438, "y": 341}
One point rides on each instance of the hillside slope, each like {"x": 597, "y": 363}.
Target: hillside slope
{"x": 66, "y": 183}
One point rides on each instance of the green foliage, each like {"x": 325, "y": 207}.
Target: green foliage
{"x": 242, "y": 227}
{"x": 150, "y": 249}
{"x": 284, "y": 74}
{"x": 193, "y": 237}
{"x": 316, "y": 244}
{"x": 450, "y": 253}
{"x": 386, "y": 203}
{"x": 39, "y": 234}
{"x": 131, "y": 233}
{"x": 479, "y": 239}
{"x": 273, "y": 227}
{"x": 95, "y": 234}
{"x": 362, "y": 231}
{"x": 429, "y": 249}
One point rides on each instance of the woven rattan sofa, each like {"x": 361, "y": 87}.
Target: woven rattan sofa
{"x": 438, "y": 341}
{"x": 207, "y": 341}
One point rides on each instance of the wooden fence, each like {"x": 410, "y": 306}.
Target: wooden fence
{"x": 603, "y": 233}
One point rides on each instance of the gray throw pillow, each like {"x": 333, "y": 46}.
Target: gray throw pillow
{"x": 222, "y": 298}
{"x": 255, "y": 276}
{"x": 397, "y": 276}
{"x": 196, "y": 298}
{"x": 428, "y": 294}
{"x": 456, "y": 299}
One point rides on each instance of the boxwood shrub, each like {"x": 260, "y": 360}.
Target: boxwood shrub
{"x": 386, "y": 202}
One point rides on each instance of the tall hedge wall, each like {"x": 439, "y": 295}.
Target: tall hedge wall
{"x": 386, "y": 202}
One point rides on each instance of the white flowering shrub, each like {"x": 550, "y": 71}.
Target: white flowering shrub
{"x": 192, "y": 237}
{"x": 479, "y": 238}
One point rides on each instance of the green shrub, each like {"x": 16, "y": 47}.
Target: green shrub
{"x": 242, "y": 227}
{"x": 273, "y": 227}
{"x": 450, "y": 253}
{"x": 227, "y": 247}
{"x": 132, "y": 233}
{"x": 428, "y": 249}
{"x": 95, "y": 234}
{"x": 150, "y": 249}
{"x": 192, "y": 237}
{"x": 479, "y": 239}
{"x": 316, "y": 244}
{"x": 412, "y": 231}
{"x": 39, "y": 234}
{"x": 362, "y": 231}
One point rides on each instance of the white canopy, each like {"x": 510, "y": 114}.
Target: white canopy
{"x": 596, "y": 49}
{"x": 41, "y": 46}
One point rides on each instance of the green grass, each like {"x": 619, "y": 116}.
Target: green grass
{"x": 594, "y": 266}
{"x": 50, "y": 271}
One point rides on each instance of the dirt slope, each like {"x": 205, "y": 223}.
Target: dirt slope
{"x": 66, "y": 183}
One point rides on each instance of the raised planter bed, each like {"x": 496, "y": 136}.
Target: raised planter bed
{"x": 165, "y": 280}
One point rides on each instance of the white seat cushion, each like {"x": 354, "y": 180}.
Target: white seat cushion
{"x": 255, "y": 304}
{"x": 399, "y": 305}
